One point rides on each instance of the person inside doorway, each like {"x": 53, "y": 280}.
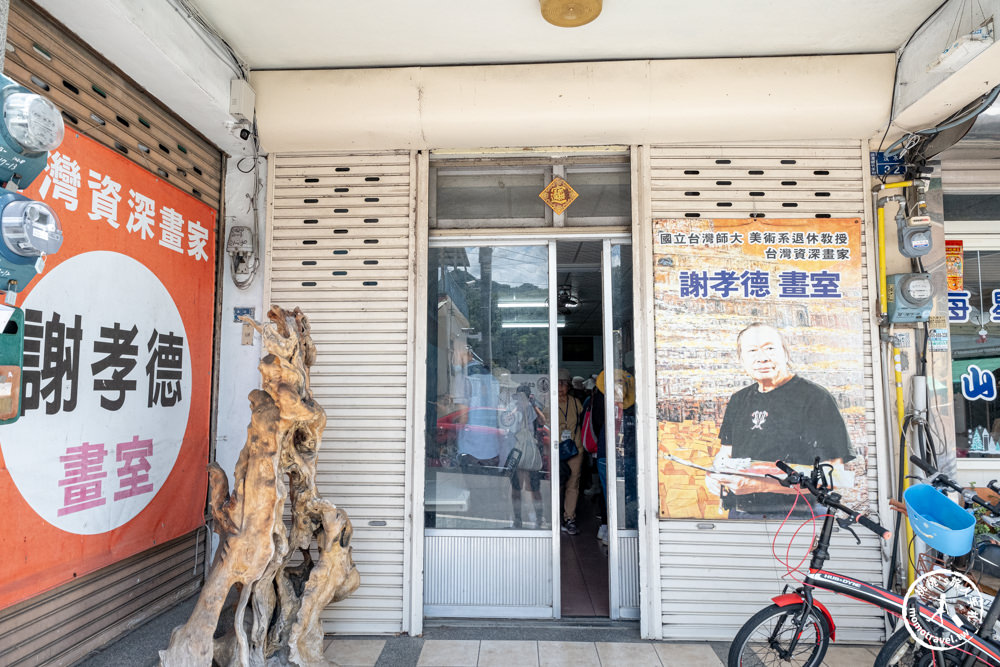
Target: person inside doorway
{"x": 570, "y": 412}
{"x": 780, "y": 416}
{"x": 624, "y": 443}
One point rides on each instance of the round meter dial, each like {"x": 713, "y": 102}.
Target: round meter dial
{"x": 917, "y": 289}
{"x": 33, "y": 121}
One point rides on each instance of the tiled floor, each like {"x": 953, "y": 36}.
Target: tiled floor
{"x": 462, "y": 643}
{"x": 584, "y": 569}
{"x": 513, "y": 653}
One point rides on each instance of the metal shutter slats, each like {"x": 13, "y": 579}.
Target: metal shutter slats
{"x": 187, "y": 160}
{"x": 700, "y": 569}
{"x": 340, "y": 249}
{"x": 62, "y": 626}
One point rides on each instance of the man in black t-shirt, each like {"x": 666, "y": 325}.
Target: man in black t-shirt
{"x": 780, "y": 417}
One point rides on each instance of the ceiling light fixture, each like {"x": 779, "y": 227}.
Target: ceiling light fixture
{"x": 570, "y": 13}
{"x": 531, "y": 325}
{"x": 514, "y": 303}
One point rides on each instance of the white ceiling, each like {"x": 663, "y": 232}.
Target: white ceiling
{"x": 307, "y": 34}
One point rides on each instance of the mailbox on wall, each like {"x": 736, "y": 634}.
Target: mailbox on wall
{"x": 11, "y": 356}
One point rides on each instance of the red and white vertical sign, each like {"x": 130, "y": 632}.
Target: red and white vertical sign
{"x": 108, "y": 457}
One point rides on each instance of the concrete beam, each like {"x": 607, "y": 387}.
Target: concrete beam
{"x": 621, "y": 102}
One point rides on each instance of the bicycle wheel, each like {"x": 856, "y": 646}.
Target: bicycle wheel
{"x": 765, "y": 638}
{"x": 900, "y": 650}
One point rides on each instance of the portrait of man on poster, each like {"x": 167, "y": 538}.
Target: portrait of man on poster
{"x": 779, "y": 416}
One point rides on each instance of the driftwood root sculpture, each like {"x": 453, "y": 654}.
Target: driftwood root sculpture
{"x": 256, "y": 550}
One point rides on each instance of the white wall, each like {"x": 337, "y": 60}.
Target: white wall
{"x": 237, "y": 362}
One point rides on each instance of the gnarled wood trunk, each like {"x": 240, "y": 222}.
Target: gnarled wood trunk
{"x": 277, "y": 465}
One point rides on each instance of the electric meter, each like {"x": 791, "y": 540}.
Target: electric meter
{"x": 30, "y": 230}
{"x": 33, "y": 122}
{"x": 32, "y": 126}
{"x": 910, "y": 297}
{"x": 914, "y": 238}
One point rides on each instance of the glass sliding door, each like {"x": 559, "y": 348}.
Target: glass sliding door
{"x": 618, "y": 385}
{"x": 488, "y": 482}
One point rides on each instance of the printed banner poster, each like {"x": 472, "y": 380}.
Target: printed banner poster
{"x": 759, "y": 357}
{"x": 109, "y": 455}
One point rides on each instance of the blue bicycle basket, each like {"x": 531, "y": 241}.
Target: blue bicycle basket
{"x": 938, "y": 520}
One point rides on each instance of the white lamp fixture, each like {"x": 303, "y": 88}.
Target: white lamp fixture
{"x": 570, "y": 13}
{"x": 514, "y": 303}
{"x": 533, "y": 324}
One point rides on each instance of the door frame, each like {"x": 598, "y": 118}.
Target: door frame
{"x": 423, "y": 241}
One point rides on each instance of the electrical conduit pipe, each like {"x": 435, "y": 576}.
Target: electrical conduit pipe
{"x": 880, "y": 202}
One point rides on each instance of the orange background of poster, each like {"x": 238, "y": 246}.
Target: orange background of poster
{"x": 697, "y": 369}
{"x": 36, "y": 555}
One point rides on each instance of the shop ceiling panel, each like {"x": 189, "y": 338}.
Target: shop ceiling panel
{"x": 340, "y": 248}
{"x": 393, "y": 33}
{"x": 701, "y": 569}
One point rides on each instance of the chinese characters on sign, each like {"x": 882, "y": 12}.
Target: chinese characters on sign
{"x": 783, "y": 245}
{"x": 959, "y": 307}
{"x": 978, "y": 384}
{"x": 757, "y": 284}
{"x": 84, "y": 473}
{"x": 62, "y": 178}
{"x": 51, "y": 363}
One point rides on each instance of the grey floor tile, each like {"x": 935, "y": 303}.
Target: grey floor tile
{"x": 849, "y": 656}
{"x": 684, "y": 655}
{"x": 449, "y": 653}
{"x": 508, "y": 653}
{"x": 355, "y": 652}
{"x": 613, "y": 654}
{"x": 568, "y": 654}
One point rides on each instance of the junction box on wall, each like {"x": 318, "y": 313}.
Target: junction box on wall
{"x": 240, "y": 248}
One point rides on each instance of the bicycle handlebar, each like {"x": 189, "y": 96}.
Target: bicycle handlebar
{"x": 938, "y": 478}
{"x": 828, "y": 499}
{"x": 874, "y": 526}
{"x": 923, "y": 465}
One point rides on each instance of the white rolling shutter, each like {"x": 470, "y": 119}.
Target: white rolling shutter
{"x": 715, "y": 575}
{"x": 340, "y": 246}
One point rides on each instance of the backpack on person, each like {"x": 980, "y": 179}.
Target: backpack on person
{"x": 587, "y": 430}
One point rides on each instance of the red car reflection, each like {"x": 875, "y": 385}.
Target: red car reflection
{"x": 449, "y": 425}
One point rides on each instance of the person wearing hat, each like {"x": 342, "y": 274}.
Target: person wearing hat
{"x": 570, "y": 414}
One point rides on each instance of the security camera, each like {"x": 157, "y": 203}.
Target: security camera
{"x": 239, "y": 129}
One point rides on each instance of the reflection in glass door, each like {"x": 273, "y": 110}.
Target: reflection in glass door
{"x": 489, "y": 548}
